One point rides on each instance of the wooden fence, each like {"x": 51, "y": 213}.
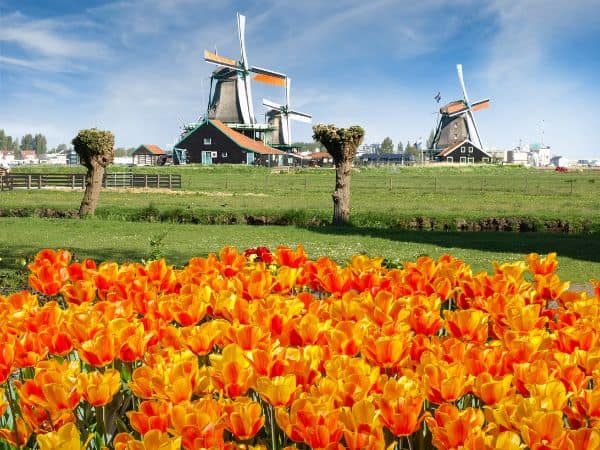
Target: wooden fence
{"x": 77, "y": 180}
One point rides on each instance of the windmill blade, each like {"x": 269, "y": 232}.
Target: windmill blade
{"x": 288, "y": 85}
{"x": 264, "y": 71}
{"x": 272, "y": 105}
{"x": 241, "y": 19}
{"x": 456, "y": 108}
{"x": 300, "y": 117}
{"x": 287, "y": 131}
{"x": 269, "y": 79}
{"x": 462, "y": 81}
{"x": 473, "y": 131}
{"x": 213, "y": 58}
{"x": 481, "y": 104}
{"x": 245, "y": 101}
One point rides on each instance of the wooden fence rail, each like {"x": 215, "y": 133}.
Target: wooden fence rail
{"x": 77, "y": 180}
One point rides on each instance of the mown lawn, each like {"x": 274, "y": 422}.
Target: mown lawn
{"x": 21, "y": 238}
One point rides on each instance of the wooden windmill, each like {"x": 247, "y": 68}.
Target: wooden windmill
{"x": 456, "y": 122}
{"x": 231, "y": 100}
{"x": 280, "y": 116}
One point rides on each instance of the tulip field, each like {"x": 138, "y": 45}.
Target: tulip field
{"x": 270, "y": 349}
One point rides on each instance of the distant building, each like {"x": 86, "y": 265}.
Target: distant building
{"x": 517, "y": 155}
{"x": 213, "y": 142}
{"x": 464, "y": 152}
{"x": 30, "y": 157}
{"x": 148, "y": 155}
{"x": 559, "y": 161}
{"x": 7, "y": 157}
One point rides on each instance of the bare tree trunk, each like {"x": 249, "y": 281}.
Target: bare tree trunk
{"x": 341, "y": 194}
{"x": 93, "y": 185}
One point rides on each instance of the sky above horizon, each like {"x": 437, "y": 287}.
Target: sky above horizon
{"x": 137, "y": 69}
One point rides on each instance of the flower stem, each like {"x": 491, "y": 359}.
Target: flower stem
{"x": 12, "y": 407}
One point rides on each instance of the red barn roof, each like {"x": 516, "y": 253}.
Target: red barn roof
{"x": 245, "y": 141}
{"x": 154, "y": 149}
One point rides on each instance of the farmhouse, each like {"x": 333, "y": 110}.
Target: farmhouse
{"x": 148, "y": 155}
{"x": 465, "y": 152}
{"x": 213, "y": 142}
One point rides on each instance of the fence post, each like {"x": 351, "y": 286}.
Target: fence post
{"x": 391, "y": 183}
{"x": 2, "y": 183}
{"x": 40, "y": 181}
{"x": 72, "y": 181}
{"x": 158, "y": 180}
{"x": 146, "y": 180}
{"x": 28, "y": 181}
{"x": 82, "y": 181}
{"x": 170, "y": 181}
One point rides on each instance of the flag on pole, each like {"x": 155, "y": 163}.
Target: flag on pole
{"x": 438, "y": 97}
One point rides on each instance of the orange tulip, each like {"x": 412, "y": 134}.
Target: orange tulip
{"x": 543, "y": 430}
{"x": 425, "y": 318}
{"x": 7, "y": 356}
{"x": 80, "y": 291}
{"x": 100, "y": 350}
{"x": 17, "y": 437}
{"x": 543, "y": 266}
{"x": 277, "y": 391}
{"x": 151, "y": 415}
{"x": 492, "y": 391}
{"x": 467, "y": 324}
{"x": 362, "y": 428}
{"x": 153, "y": 440}
{"x": 243, "y": 418}
{"x": 97, "y": 388}
{"x": 585, "y": 438}
{"x": 451, "y": 427}
{"x": 199, "y": 423}
{"x": 66, "y": 438}
{"x": 444, "y": 382}
{"x": 49, "y": 271}
{"x": 290, "y": 258}
{"x": 401, "y": 406}
{"x": 232, "y": 371}
{"x": 28, "y": 350}
{"x": 385, "y": 351}
{"x": 315, "y": 423}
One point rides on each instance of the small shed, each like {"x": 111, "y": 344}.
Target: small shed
{"x": 465, "y": 152}
{"x": 148, "y": 155}
{"x": 213, "y": 142}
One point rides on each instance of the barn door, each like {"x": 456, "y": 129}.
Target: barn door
{"x": 250, "y": 158}
{"x": 206, "y": 158}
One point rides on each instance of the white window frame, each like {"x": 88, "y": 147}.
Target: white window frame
{"x": 470, "y": 149}
{"x": 485, "y": 160}
{"x": 223, "y": 154}
{"x": 470, "y": 160}
{"x": 463, "y": 159}
{"x": 213, "y": 154}
{"x": 449, "y": 159}
{"x": 463, "y": 149}
{"x": 207, "y": 141}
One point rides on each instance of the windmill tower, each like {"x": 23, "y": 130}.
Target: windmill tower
{"x": 231, "y": 100}
{"x": 279, "y": 117}
{"x": 456, "y": 122}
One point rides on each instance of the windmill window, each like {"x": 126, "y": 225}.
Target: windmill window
{"x": 450, "y": 159}
{"x": 207, "y": 141}
{"x": 223, "y": 154}
{"x": 470, "y": 149}
{"x": 485, "y": 160}
{"x": 463, "y": 149}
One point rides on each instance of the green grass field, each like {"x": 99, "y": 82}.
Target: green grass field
{"x": 379, "y": 197}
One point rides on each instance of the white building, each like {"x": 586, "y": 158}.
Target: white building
{"x": 559, "y": 161}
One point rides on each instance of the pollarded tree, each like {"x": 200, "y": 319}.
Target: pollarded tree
{"x": 341, "y": 143}
{"x": 96, "y": 151}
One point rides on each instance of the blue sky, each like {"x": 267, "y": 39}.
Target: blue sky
{"x": 136, "y": 67}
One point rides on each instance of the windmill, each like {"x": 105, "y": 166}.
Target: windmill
{"x": 231, "y": 101}
{"x": 456, "y": 121}
{"x": 280, "y": 115}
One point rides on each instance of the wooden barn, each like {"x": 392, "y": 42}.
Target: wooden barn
{"x": 148, "y": 155}
{"x": 213, "y": 142}
{"x": 465, "y": 152}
